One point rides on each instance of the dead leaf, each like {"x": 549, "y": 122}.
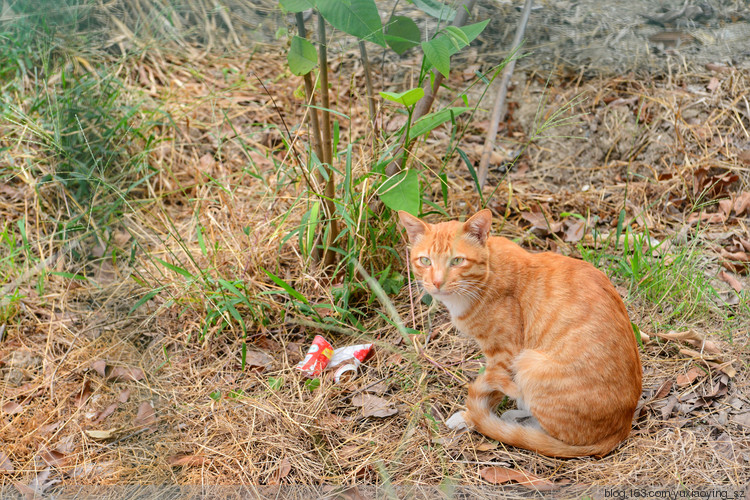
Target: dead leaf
{"x": 731, "y": 281}
{"x": 486, "y": 446}
{"x": 124, "y": 396}
{"x": 574, "y": 233}
{"x": 694, "y": 339}
{"x": 668, "y": 408}
{"x": 11, "y": 408}
{"x": 100, "y": 366}
{"x": 101, "y": 435}
{"x": 689, "y": 377}
{"x": 735, "y": 261}
{"x": 84, "y": 395}
{"x": 725, "y": 367}
{"x": 742, "y": 203}
{"x": 146, "y": 415}
{"x": 6, "y": 466}
{"x": 502, "y": 475}
{"x": 713, "y": 84}
{"x": 109, "y": 410}
{"x": 742, "y": 419}
{"x": 712, "y": 186}
{"x": 53, "y": 458}
{"x": 374, "y": 406}
{"x": 282, "y": 471}
{"x": 182, "y": 460}
{"x": 725, "y": 208}
{"x": 258, "y": 361}
{"x": 724, "y": 446}
{"x": 663, "y": 390}
{"x": 540, "y": 223}
{"x": 48, "y": 428}
{"x": 126, "y": 374}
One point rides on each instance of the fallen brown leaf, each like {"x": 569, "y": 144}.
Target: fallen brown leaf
{"x": 540, "y": 223}
{"x": 100, "y": 367}
{"x": 146, "y": 415}
{"x": 738, "y": 262}
{"x": 724, "y": 446}
{"x": 84, "y": 395}
{"x": 689, "y": 377}
{"x": 182, "y": 460}
{"x": 258, "y": 361}
{"x": 502, "y": 475}
{"x": 109, "y": 410}
{"x": 126, "y": 374}
{"x": 485, "y": 446}
{"x": 11, "y": 408}
{"x": 282, "y": 471}
{"x": 663, "y": 390}
{"x": 742, "y": 203}
{"x": 694, "y": 339}
{"x": 124, "y": 396}
{"x": 742, "y": 419}
{"x": 713, "y": 84}
{"x": 574, "y": 233}
{"x": 6, "y": 466}
{"x": 374, "y": 406}
{"x": 101, "y": 435}
{"x": 53, "y": 458}
{"x": 731, "y": 281}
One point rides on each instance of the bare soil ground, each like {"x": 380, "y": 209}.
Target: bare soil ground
{"x": 94, "y": 394}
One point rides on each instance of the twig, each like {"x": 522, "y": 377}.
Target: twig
{"x": 329, "y": 256}
{"x": 498, "y": 112}
{"x": 370, "y": 92}
{"x": 431, "y": 86}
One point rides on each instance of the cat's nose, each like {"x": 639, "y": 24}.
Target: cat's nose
{"x": 438, "y": 282}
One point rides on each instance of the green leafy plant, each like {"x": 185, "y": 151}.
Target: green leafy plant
{"x": 322, "y": 234}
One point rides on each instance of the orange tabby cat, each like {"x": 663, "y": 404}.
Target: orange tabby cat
{"x": 555, "y": 333}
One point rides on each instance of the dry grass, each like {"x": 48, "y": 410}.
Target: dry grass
{"x": 250, "y": 433}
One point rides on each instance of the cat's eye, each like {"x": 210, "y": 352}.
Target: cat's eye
{"x": 424, "y": 261}
{"x": 457, "y": 261}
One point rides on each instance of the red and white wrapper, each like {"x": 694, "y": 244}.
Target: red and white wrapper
{"x": 321, "y": 356}
{"x": 318, "y": 357}
{"x": 348, "y": 359}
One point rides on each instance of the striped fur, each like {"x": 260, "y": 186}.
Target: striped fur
{"x": 555, "y": 333}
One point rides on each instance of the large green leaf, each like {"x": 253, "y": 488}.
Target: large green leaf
{"x": 439, "y": 50}
{"x": 402, "y": 33}
{"x": 407, "y": 98}
{"x": 401, "y": 192}
{"x": 473, "y": 30}
{"x": 302, "y": 57}
{"x": 433, "y": 120}
{"x": 297, "y": 5}
{"x": 359, "y": 18}
{"x": 436, "y": 9}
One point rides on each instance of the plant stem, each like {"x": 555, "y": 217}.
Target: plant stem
{"x": 314, "y": 122}
{"x": 310, "y": 93}
{"x": 329, "y": 256}
{"x": 370, "y": 93}
{"x": 498, "y": 112}
{"x": 431, "y": 86}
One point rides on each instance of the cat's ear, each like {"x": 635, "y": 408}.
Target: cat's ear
{"x": 478, "y": 226}
{"x": 415, "y": 228}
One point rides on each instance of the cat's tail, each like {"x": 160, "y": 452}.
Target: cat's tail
{"x": 482, "y": 419}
